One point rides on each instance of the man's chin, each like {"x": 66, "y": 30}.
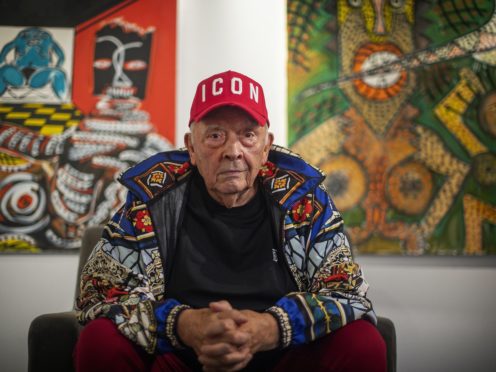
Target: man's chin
{"x": 233, "y": 194}
{"x": 233, "y": 188}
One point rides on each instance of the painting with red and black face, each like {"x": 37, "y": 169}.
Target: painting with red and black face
{"x": 122, "y": 57}
{"x": 125, "y": 59}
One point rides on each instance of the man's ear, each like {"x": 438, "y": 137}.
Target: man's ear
{"x": 270, "y": 140}
{"x": 188, "y": 142}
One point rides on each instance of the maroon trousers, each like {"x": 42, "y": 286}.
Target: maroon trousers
{"x": 356, "y": 347}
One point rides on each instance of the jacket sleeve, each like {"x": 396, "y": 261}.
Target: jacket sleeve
{"x": 123, "y": 281}
{"x": 334, "y": 289}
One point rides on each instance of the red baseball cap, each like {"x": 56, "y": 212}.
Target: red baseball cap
{"x": 229, "y": 88}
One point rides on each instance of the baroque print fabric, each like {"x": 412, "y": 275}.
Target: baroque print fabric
{"x": 124, "y": 277}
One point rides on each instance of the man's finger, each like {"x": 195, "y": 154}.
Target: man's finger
{"x": 224, "y": 362}
{"x": 219, "y": 327}
{"x": 236, "y": 338}
{"x": 217, "y": 350}
{"x": 236, "y": 315}
{"x": 215, "y": 356}
{"x": 218, "y": 306}
{"x": 240, "y": 365}
{"x": 235, "y": 367}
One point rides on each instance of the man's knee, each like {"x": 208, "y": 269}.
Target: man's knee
{"x": 368, "y": 339}
{"x": 356, "y": 347}
{"x": 102, "y": 347}
{"x": 98, "y": 336}
{"x": 360, "y": 346}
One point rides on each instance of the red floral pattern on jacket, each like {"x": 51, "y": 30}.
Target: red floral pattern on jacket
{"x": 143, "y": 221}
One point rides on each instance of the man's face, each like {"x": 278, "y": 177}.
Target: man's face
{"x": 228, "y": 147}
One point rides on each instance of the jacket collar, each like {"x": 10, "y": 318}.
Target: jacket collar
{"x": 157, "y": 174}
{"x": 286, "y": 177}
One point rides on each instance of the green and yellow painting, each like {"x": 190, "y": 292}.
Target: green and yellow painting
{"x": 395, "y": 100}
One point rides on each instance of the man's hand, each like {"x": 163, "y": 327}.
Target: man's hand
{"x": 263, "y": 329}
{"x": 216, "y": 337}
{"x": 226, "y": 339}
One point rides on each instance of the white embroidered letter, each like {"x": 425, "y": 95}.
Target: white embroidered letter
{"x": 254, "y": 92}
{"x": 203, "y": 92}
{"x": 236, "y": 88}
{"x": 216, "y": 91}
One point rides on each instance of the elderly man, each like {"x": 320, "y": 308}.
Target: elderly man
{"x": 228, "y": 256}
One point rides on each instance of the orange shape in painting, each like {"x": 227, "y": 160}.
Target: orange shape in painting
{"x": 377, "y": 83}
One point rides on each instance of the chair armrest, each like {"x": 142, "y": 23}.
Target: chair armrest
{"x": 387, "y": 330}
{"x": 51, "y": 341}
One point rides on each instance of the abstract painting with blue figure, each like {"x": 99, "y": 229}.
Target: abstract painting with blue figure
{"x": 31, "y": 61}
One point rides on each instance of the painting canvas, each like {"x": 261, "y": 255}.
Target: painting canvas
{"x": 59, "y": 162}
{"x": 396, "y": 102}
{"x": 127, "y": 57}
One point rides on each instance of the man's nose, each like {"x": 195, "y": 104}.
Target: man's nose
{"x": 232, "y": 149}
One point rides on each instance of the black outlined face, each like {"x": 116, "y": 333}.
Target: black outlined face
{"x": 121, "y": 62}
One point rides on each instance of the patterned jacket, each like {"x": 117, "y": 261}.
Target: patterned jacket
{"x": 125, "y": 277}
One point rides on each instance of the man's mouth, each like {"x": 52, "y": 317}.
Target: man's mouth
{"x": 231, "y": 172}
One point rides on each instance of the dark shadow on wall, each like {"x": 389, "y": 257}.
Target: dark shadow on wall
{"x": 53, "y": 13}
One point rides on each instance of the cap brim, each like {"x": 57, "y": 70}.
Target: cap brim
{"x": 261, "y": 120}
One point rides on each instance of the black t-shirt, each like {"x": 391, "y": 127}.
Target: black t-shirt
{"x": 227, "y": 253}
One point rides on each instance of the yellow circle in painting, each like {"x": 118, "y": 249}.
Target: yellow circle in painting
{"x": 487, "y": 113}
{"x": 345, "y": 181}
{"x": 409, "y": 187}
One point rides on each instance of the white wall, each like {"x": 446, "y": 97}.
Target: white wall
{"x": 443, "y": 311}
{"x": 244, "y": 36}
{"x": 442, "y": 307}
{"x": 31, "y": 286}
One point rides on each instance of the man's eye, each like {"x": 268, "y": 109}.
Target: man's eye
{"x": 249, "y": 138}
{"x": 214, "y": 136}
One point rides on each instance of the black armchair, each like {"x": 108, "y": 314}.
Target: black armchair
{"x": 52, "y": 337}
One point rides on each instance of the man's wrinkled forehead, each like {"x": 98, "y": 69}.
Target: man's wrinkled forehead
{"x": 228, "y": 114}
{"x": 227, "y": 118}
